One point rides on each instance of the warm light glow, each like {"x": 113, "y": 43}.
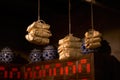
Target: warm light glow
{"x": 90, "y": 1}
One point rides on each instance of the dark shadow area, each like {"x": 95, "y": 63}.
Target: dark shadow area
{"x": 107, "y": 67}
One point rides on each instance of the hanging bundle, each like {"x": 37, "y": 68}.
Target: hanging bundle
{"x": 38, "y": 31}
{"x": 69, "y": 47}
{"x": 92, "y": 39}
{"x": 40, "y": 24}
{"x": 84, "y": 50}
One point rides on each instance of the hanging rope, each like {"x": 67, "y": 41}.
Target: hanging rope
{"x": 69, "y": 17}
{"x": 92, "y": 24}
{"x": 38, "y": 10}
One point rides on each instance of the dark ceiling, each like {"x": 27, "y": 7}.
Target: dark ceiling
{"x": 16, "y": 15}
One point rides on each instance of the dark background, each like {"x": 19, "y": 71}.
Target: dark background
{"x": 16, "y": 15}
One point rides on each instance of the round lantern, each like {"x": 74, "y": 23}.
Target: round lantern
{"x": 6, "y": 55}
{"x": 35, "y": 55}
{"x": 50, "y": 53}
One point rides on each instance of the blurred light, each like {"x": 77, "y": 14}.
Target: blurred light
{"x": 93, "y": 1}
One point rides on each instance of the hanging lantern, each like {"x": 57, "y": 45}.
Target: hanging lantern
{"x": 35, "y": 56}
{"x": 50, "y": 53}
{"x": 6, "y": 55}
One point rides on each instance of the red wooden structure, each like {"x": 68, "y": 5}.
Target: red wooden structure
{"x": 74, "y": 69}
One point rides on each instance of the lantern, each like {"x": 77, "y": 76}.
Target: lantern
{"x": 50, "y": 53}
{"x": 35, "y": 56}
{"x": 6, "y": 55}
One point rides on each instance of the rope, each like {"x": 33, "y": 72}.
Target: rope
{"x": 92, "y": 23}
{"x": 69, "y": 11}
{"x": 38, "y": 10}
